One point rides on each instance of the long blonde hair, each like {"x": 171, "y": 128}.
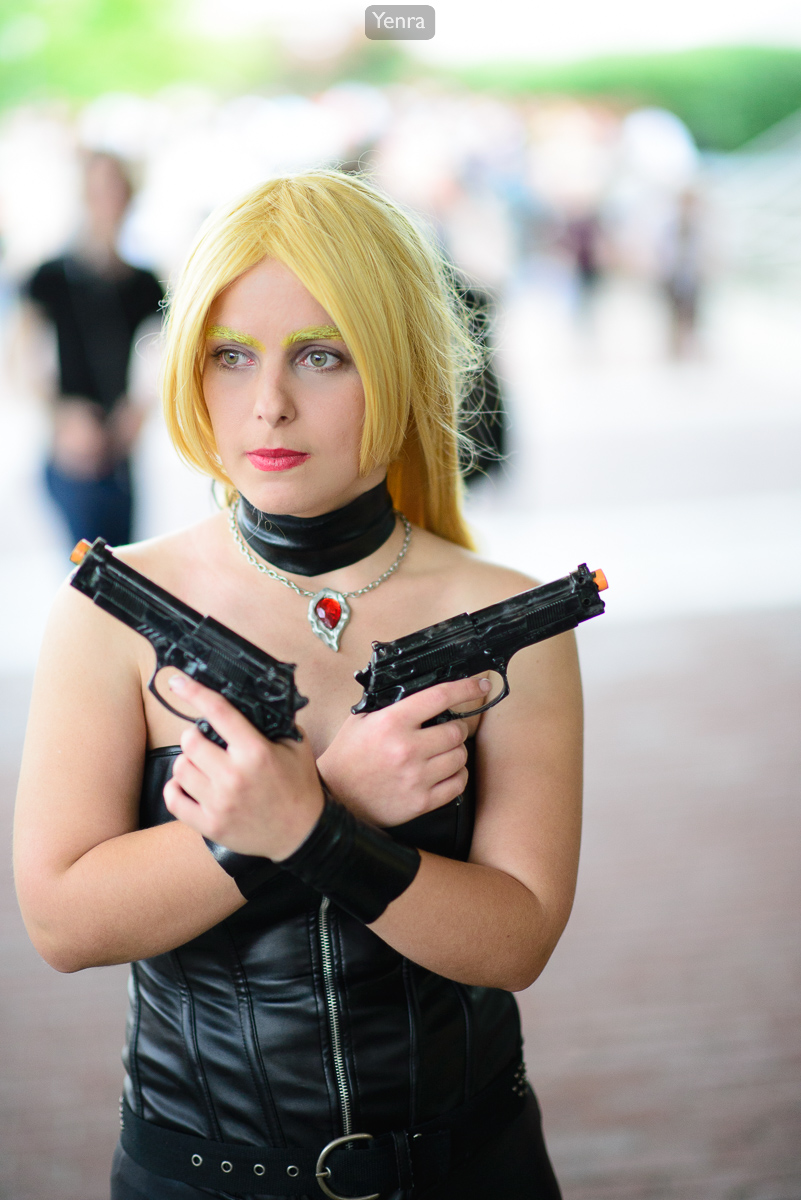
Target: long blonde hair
{"x": 388, "y": 291}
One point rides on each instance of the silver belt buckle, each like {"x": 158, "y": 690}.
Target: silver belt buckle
{"x": 322, "y": 1172}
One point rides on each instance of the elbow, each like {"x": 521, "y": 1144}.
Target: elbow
{"x": 54, "y": 928}
{"x": 515, "y": 975}
{"x": 65, "y": 960}
{"x": 526, "y": 974}
{"x": 59, "y": 953}
{"x": 64, "y": 966}
{"x": 59, "y": 945}
{"x": 514, "y": 971}
{"x": 534, "y": 955}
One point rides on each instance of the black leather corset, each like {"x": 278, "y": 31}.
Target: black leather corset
{"x": 291, "y": 1023}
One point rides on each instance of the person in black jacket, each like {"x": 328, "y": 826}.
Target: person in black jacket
{"x": 95, "y": 303}
{"x": 325, "y": 934}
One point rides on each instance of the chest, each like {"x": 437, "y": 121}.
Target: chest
{"x": 276, "y": 620}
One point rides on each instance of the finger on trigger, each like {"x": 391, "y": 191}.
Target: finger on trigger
{"x": 463, "y": 690}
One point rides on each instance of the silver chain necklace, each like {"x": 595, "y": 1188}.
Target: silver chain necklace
{"x": 329, "y": 611}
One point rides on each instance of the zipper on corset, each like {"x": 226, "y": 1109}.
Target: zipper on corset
{"x": 332, "y": 1005}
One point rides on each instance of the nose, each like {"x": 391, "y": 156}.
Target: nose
{"x": 273, "y": 402}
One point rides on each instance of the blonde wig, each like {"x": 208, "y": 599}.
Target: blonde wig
{"x": 386, "y": 288}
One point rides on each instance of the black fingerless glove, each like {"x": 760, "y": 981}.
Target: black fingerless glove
{"x": 359, "y": 867}
{"x": 248, "y": 871}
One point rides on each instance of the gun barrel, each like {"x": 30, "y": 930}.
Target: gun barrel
{"x": 540, "y": 613}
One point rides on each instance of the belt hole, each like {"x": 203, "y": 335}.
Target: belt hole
{"x": 226, "y": 1166}
{"x": 197, "y": 1161}
{"x": 258, "y": 1169}
{"x": 293, "y": 1171}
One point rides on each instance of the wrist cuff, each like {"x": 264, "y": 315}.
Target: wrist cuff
{"x": 359, "y": 867}
{"x": 248, "y": 871}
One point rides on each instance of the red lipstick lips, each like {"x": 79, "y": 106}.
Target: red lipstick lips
{"x": 278, "y": 459}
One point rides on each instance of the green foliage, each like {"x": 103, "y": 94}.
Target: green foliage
{"x": 726, "y": 95}
{"x": 379, "y": 63}
{"x": 77, "y": 49}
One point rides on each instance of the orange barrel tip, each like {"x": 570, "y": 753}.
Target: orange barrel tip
{"x": 600, "y": 580}
{"x": 79, "y": 553}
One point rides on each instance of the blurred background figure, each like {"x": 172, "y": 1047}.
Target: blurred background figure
{"x": 582, "y": 240}
{"x": 681, "y": 271}
{"x": 94, "y": 302}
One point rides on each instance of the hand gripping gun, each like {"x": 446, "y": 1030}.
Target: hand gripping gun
{"x": 476, "y": 642}
{"x": 261, "y": 687}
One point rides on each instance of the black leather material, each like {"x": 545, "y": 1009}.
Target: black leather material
{"x": 314, "y": 545}
{"x": 229, "y": 1035}
{"x": 248, "y": 871}
{"x": 357, "y": 866}
{"x": 512, "y": 1166}
{"x": 396, "y": 1161}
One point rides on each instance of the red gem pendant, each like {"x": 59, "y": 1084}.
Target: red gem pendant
{"x": 329, "y": 613}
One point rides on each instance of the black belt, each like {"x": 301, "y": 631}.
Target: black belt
{"x": 356, "y": 1166}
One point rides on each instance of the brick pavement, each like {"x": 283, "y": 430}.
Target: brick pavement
{"x": 662, "y": 1038}
{"x": 665, "y": 1035}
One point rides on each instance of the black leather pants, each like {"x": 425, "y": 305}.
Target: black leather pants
{"x": 514, "y": 1165}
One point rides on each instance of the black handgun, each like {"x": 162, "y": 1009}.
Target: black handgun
{"x": 260, "y": 686}
{"x": 476, "y": 642}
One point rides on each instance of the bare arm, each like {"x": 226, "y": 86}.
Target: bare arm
{"x": 497, "y": 919}
{"x": 492, "y": 921}
{"x": 32, "y": 354}
{"x": 93, "y": 888}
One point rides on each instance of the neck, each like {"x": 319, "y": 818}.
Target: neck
{"x": 99, "y": 250}
{"x": 315, "y": 545}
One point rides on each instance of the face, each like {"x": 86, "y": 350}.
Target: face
{"x": 107, "y": 194}
{"x": 284, "y": 396}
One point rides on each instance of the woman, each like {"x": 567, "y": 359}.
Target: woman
{"x": 361, "y": 986}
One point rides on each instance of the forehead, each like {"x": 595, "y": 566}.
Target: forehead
{"x": 268, "y": 299}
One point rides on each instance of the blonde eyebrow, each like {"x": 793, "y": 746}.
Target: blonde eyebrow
{"x": 314, "y": 331}
{"x": 233, "y": 335}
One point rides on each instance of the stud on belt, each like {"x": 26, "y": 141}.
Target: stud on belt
{"x": 425, "y": 1154}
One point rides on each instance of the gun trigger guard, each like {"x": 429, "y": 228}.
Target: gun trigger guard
{"x": 475, "y": 712}
{"x": 151, "y": 687}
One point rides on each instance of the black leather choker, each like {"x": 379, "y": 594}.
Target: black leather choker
{"x": 315, "y": 545}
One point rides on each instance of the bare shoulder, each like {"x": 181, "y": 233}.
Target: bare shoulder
{"x": 82, "y": 642}
{"x": 465, "y": 578}
{"x": 175, "y": 560}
